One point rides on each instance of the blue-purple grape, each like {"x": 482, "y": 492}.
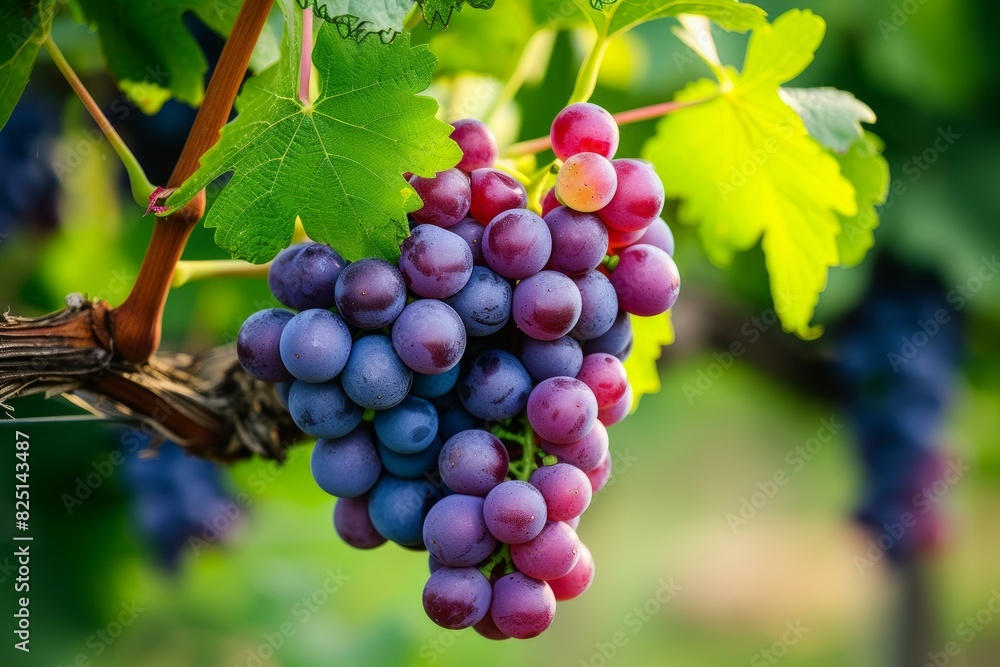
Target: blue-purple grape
{"x": 304, "y": 276}
{"x": 397, "y": 508}
{"x": 472, "y": 233}
{"x": 579, "y": 240}
{"x": 315, "y": 345}
{"x": 434, "y": 262}
{"x": 348, "y": 466}
{"x": 473, "y": 462}
{"x": 353, "y": 525}
{"x": 409, "y": 466}
{"x": 496, "y": 386}
{"x": 455, "y": 532}
{"x": 323, "y": 410}
{"x": 375, "y": 377}
{"x": 484, "y": 304}
{"x": 409, "y": 427}
{"x": 434, "y": 386}
{"x": 429, "y": 337}
{"x": 547, "y": 305}
{"x": 370, "y": 293}
{"x": 258, "y": 345}
{"x": 544, "y": 359}
{"x": 517, "y": 244}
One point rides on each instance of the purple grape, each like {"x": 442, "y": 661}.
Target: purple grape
{"x": 562, "y": 410}
{"x": 522, "y": 607}
{"x": 517, "y": 244}
{"x": 547, "y": 305}
{"x": 514, "y": 511}
{"x": 614, "y": 341}
{"x": 544, "y": 359}
{"x": 433, "y": 564}
{"x": 584, "y": 128}
{"x": 283, "y": 389}
{"x": 599, "y": 306}
{"x": 397, "y": 508}
{"x": 493, "y": 192}
{"x": 606, "y": 377}
{"x": 479, "y": 146}
{"x": 409, "y": 427}
{"x": 410, "y": 466}
{"x": 586, "y": 453}
{"x": 600, "y": 475}
{"x": 375, "y": 377}
{"x": 646, "y": 280}
{"x": 574, "y": 523}
{"x": 315, "y": 345}
{"x": 658, "y": 234}
{"x": 455, "y": 532}
{"x": 258, "y": 345}
{"x": 484, "y": 304}
{"x": 353, "y": 525}
{"x": 456, "y": 419}
{"x": 472, "y": 232}
{"x": 473, "y": 462}
{"x": 446, "y": 198}
{"x": 370, "y": 293}
{"x": 638, "y": 201}
{"x": 457, "y": 598}
{"x": 434, "y": 262}
{"x": 434, "y": 386}
{"x": 488, "y": 629}
{"x": 579, "y": 240}
{"x": 579, "y": 578}
{"x": 304, "y": 276}
{"x": 323, "y": 410}
{"x": 618, "y": 411}
{"x": 346, "y": 467}
{"x": 550, "y": 555}
{"x": 429, "y": 337}
{"x": 496, "y": 387}
{"x": 565, "y": 488}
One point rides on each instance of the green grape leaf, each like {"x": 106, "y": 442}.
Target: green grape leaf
{"x": 833, "y": 117}
{"x": 150, "y": 51}
{"x": 613, "y": 17}
{"x": 746, "y": 169}
{"x": 438, "y": 12}
{"x": 357, "y": 19}
{"x": 865, "y": 167}
{"x": 336, "y": 163}
{"x": 24, "y": 25}
{"x": 649, "y": 335}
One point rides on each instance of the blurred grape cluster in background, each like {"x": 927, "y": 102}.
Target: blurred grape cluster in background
{"x": 814, "y": 504}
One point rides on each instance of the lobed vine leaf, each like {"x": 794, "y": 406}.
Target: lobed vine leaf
{"x": 865, "y": 167}
{"x": 338, "y": 162}
{"x": 746, "y": 169}
{"x": 649, "y": 335}
{"x": 150, "y": 51}
{"x": 359, "y": 19}
{"x": 613, "y": 17}
{"x": 24, "y": 25}
{"x": 833, "y": 117}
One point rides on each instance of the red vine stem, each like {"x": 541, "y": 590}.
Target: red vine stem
{"x": 532, "y": 146}
{"x": 137, "y": 322}
{"x": 305, "y": 59}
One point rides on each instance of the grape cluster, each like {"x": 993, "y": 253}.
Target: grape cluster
{"x": 177, "y": 500}
{"x": 461, "y": 398}
{"x": 898, "y": 393}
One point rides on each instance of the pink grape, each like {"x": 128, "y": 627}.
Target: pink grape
{"x": 586, "y": 182}
{"x": 658, "y": 234}
{"x": 514, "y": 511}
{"x": 587, "y": 452}
{"x": 549, "y": 201}
{"x": 600, "y": 475}
{"x": 479, "y": 146}
{"x": 579, "y": 578}
{"x": 638, "y": 201}
{"x": 618, "y": 411}
{"x": 493, "y": 192}
{"x": 562, "y": 410}
{"x": 579, "y": 240}
{"x": 446, "y": 198}
{"x": 584, "y": 128}
{"x": 550, "y": 555}
{"x": 606, "y": 377}
{"x": 522, "y": 607}
{"x": 619, "y": 239}
{"x": 565, "y": 488}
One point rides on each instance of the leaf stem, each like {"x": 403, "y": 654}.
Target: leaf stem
{"x": 586, "y": 79}
{"x": 305, "y": 58}
{"x": 540, "y": 182}
{"x": 412, "y": 18}
{"x": 140, "y": 185}
{"x": 532, "y": 146}
{"x": 190, "y": 271}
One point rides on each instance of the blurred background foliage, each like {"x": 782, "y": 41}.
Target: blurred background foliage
{"x": 683, "y": 464}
